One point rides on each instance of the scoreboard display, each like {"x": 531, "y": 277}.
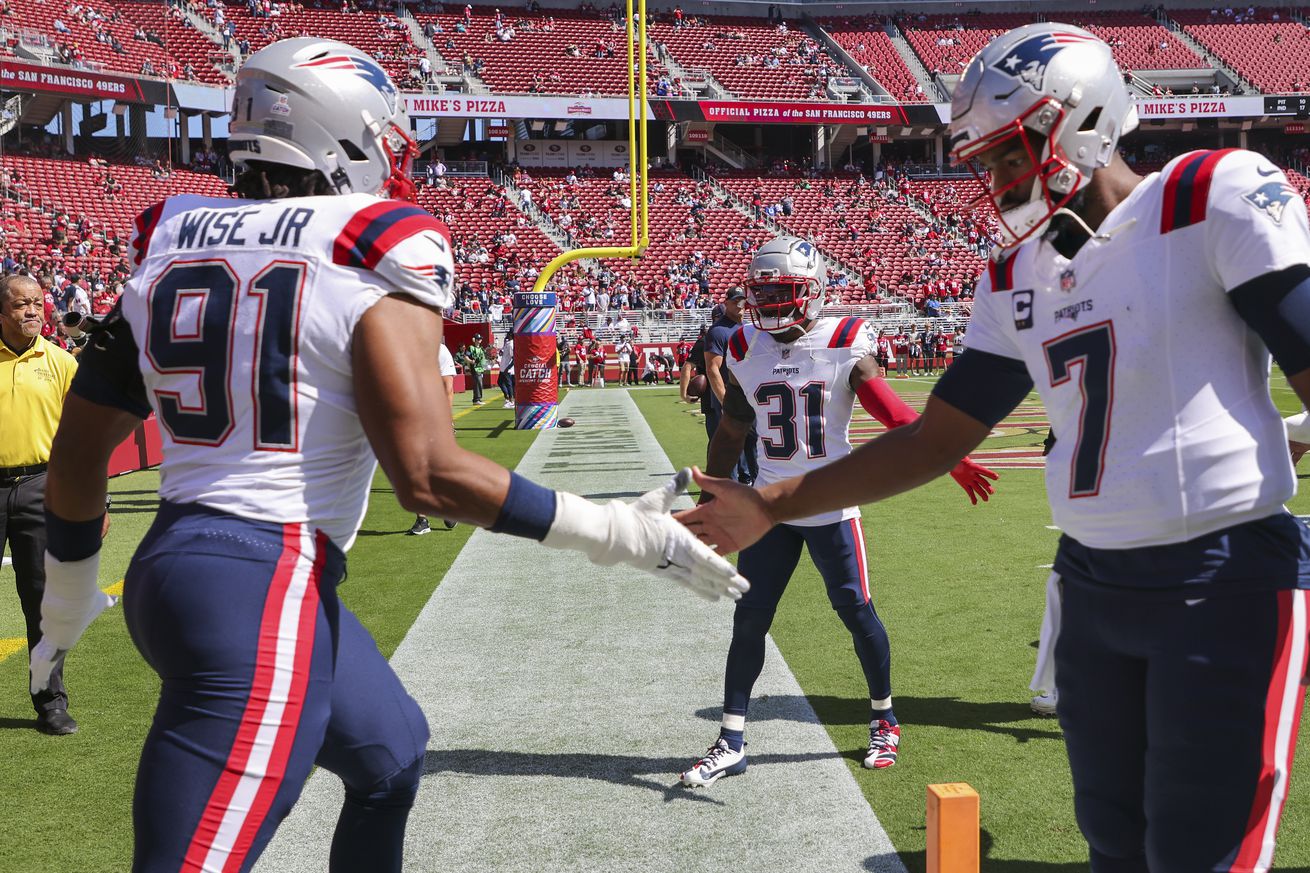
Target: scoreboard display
{"x": 1295, "y": 104}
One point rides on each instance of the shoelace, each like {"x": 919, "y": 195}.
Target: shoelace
{"x": 713, "y": 754}
{"x": 882, "y": 738}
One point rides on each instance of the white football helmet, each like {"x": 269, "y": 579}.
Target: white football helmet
{"x": 1054, "y": 90}
{"x": 319, "y": 104}
{"x": 786, "y": 284}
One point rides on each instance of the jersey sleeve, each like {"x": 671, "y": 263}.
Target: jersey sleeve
{"x": 109, "y": 373}
{"x": 405, "y": 248}
{"x": 990, "y": 324}
{"x": 862, "y": 346}
{"x": 1255, "y": 220}
{"x": 143, "y": 228}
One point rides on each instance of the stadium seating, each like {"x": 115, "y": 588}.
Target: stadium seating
{"x": 186, "y": 44}
{"x": 1274, "y": 55}
{"x": 945, "y": 43}
{"x": 81, "y": 42}
{"x": 873, "y": 228}
{"x": 468, "y": 206}
{"x": 671, "y": 216}
{"x": 734, "y": 50}
{"x": 381, "y": 35}
{"x": 536, "y": 59}
{"x": 77, "y": 188}
{"x": 871, "y": 47}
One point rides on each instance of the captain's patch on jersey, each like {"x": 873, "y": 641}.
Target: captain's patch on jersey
{"x": 1271, "y": 198}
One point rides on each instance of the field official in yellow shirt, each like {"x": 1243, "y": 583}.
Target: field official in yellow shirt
{"x": 34, "y": 377}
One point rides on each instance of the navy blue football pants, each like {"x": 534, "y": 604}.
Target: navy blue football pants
{"x": 1180, "y": 715}
{"x": 838, "y": 552}
{"x": 264, "y": 674}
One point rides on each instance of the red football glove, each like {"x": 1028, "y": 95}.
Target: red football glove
{"x": 973, "y": 477}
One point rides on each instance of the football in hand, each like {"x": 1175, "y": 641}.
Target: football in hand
{"x": 697, "y": 387}
{"x": 565, "y": 422}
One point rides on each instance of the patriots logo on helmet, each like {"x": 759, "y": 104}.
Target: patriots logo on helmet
{"x": 1271, "y": 198}
{"x": 362, "y": 67}
{"x": 1027, "y": 59}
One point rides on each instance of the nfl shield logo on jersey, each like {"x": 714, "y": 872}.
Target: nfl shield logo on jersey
{"x": 1271, "y": 198}
{"x": 1068, "y": 281}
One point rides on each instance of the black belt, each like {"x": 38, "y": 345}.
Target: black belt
{"x": 11, "y": 473}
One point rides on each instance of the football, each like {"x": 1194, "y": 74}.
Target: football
{"x": 565, "y": 422}
{"x": 697, "y": 387}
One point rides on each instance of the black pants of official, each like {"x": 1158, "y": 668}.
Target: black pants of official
{"x": 22, "y": 525}
{"x": 475, "y": 384}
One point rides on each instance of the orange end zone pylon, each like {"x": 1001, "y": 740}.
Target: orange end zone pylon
{"x": 953, "y": 828}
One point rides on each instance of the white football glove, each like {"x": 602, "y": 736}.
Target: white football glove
{"x": 644, "y": 535}
{"x": 72, "y": 601}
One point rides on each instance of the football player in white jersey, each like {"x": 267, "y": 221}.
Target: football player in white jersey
{"x": 283, "y": 340}
{"x": 796, "y": 377}
{"x": 1184, "y": 579}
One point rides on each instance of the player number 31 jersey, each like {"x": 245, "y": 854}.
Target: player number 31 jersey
{"x": 802, "y": 396}
{"x": 243, "y": 313}
{"x": 1157, "y": 390}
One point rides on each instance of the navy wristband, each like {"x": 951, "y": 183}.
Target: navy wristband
{"x": 528, "y": 510}
{"x": 72, "y": 540}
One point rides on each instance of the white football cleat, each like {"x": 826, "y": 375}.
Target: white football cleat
{"x": 719, "y": 761}
{"x": 1045, "y": 703}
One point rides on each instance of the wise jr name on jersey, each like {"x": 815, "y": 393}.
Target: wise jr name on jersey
{"x": 233, "y": 303}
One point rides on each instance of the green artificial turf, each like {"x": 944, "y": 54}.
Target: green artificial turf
{"x": 961, "y": 590}
{"x": 959, "y": 587}
{"x": 66, "y": 801}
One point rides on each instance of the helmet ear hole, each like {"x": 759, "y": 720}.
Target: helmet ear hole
{"x": 1090, "y": 124}
{"x": 354, "y": 152}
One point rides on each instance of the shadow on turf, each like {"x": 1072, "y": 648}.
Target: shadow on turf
{"x": 1001, "y": 717}
{"x": 18, "y": 723}
{"x": 655, "y": 774}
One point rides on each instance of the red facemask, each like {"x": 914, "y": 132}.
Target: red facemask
{"x": 1002, "y": 141}
{"x": 778, "y": 304}
{"x": 400, "y": 148}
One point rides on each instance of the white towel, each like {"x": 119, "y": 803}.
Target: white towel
{"x": 1044, "y": 674}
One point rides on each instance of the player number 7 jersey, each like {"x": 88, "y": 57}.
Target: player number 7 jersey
{"x": 1157, "y": 390}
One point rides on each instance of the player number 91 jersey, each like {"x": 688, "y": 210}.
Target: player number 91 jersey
{"x": 1157, "y": 390}
{"x": 243, "y": 314}
{"x": 802, "y": 397}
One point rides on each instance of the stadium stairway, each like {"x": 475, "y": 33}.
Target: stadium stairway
{"x": 1210, "y": 57}
{"x": 932, "y": 90}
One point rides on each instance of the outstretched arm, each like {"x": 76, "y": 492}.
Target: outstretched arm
{"x": 406, "y": 416}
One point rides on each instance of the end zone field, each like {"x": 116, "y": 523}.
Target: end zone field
{"x": 959, "y": 587}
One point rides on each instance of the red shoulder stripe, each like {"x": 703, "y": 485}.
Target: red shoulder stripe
{"x": 847, "y": 330}
{"x": 376, "y": 229}
{"x": 1187, "y": 189}
{"x": 145, "y": 227}
{"x": 737, "y": 344}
